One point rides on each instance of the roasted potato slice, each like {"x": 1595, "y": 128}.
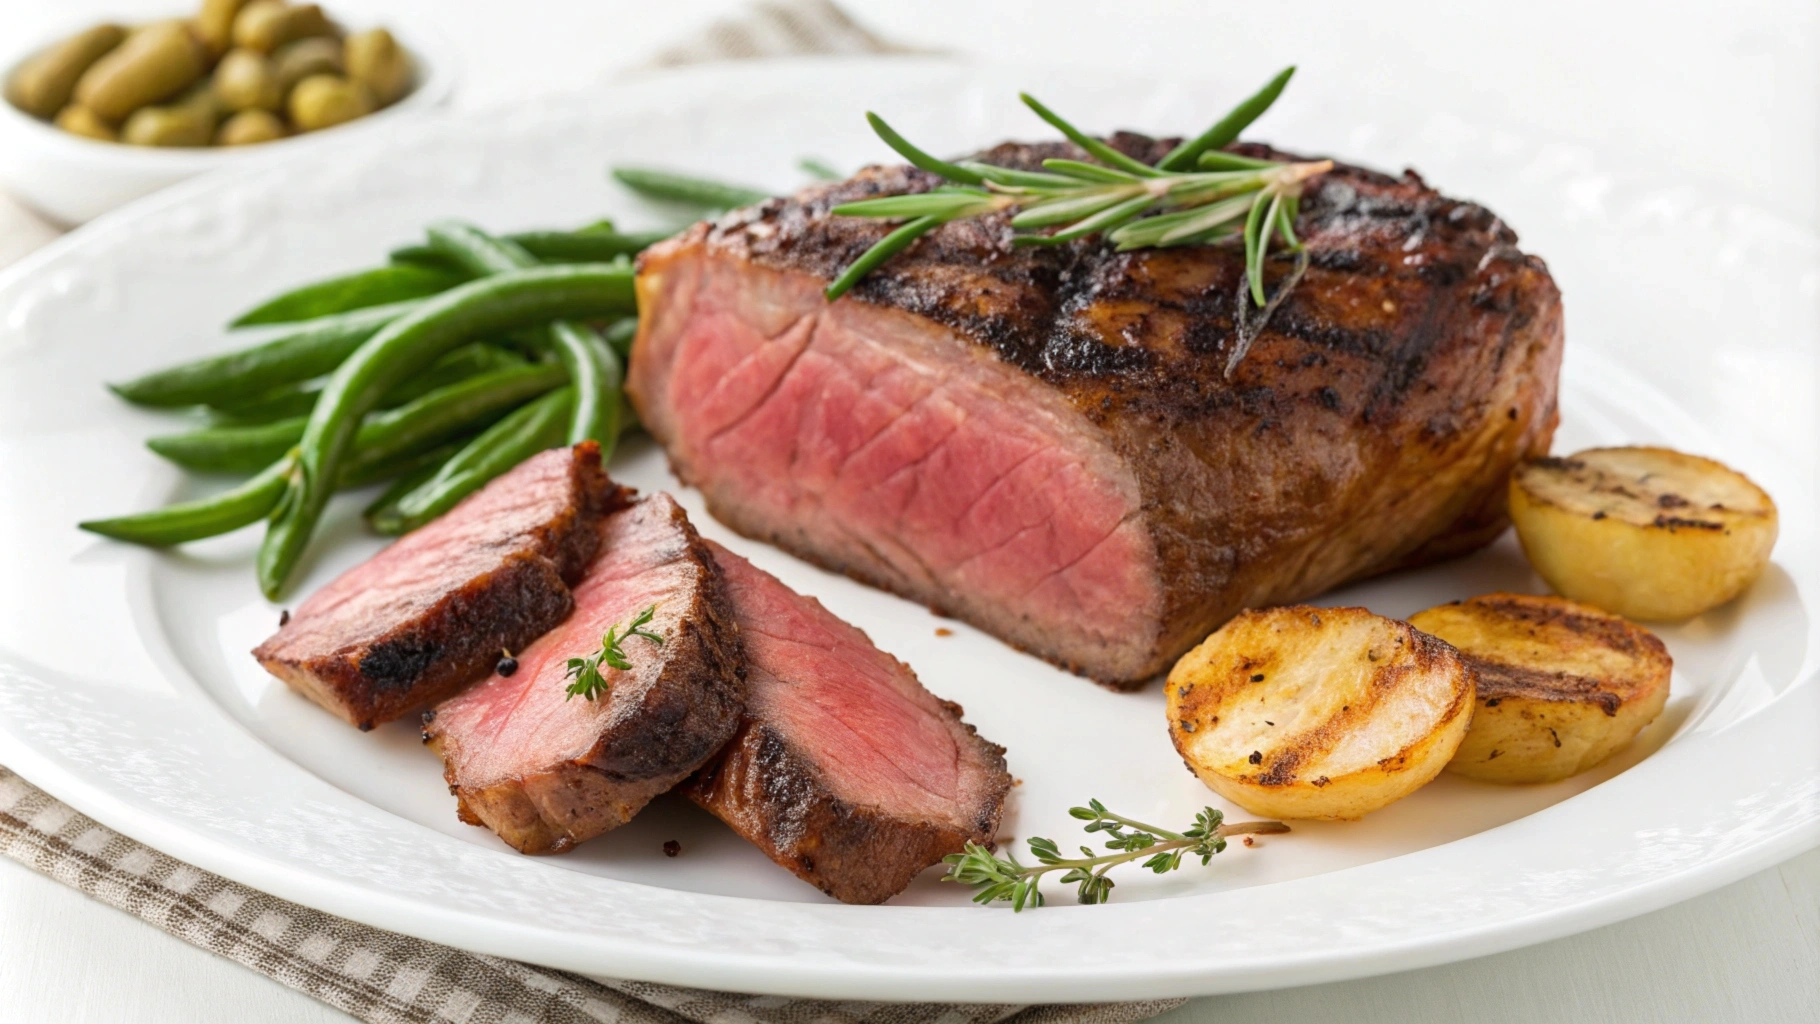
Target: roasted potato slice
{"x": 1561, "y": 685}
{"x": 1647, "y": 533}
{"x": 1304, "y": 712}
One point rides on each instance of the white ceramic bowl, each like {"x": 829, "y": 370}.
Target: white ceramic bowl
{"x": 72, "y": 179}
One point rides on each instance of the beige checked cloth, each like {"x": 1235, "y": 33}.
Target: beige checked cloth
{"x": 381, "y": 976}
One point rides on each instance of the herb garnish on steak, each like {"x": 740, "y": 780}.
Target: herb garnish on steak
{"x": 432, "y": 612}
{"x": 546, "y": 772}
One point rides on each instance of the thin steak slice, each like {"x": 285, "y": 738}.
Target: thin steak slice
{"x": 1042, "y": 440}
{"x": 547, "y": 771}
{"x": 432, "y": 612}
{"x": 844, "y": 770}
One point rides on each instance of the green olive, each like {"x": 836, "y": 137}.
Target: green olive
{"x": 248, "y": 127}
{"x": 189, "y": 121}
{"x": 215, "y": 23}
{"x": 82, "y": 121}
{"x": 43, "y": 84}
{"x": 294, "y": 62}
{"x": 375, "y": 58}
{"x": 265, "y": 25}
{"x": 154, "y": 63}
{"x": 246, "y": 80}
{"x": 322, "y": 101}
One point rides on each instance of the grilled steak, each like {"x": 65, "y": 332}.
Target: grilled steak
{"x": 844, "y": 770}
{"x": 547, "y": 771}
{"x": 432, "y": 612}
{"x": 1043, "y": 441}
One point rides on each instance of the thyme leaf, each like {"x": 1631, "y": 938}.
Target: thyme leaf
{"x": 585, "y": 672}
{"x": 1008, "y": 880}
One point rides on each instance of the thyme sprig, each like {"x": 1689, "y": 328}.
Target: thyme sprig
{"x": 1195, "y": 195}
{"x": 1005, "y": 878}
{"x": 585, "y": 672}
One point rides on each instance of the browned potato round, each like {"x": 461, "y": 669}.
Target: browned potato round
{"x": 1561, "y": 685}
{"x": 1304, "y": 712}
{"x": 1647, "y": 533}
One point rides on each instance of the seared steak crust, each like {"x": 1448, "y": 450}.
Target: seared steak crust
{"x": 1371, "y": 426}
{"x": 774, "y": 796}
{"x": 431, "y": 612}
{"x": 546, "y": 771}
{"x": 844, "y": 770}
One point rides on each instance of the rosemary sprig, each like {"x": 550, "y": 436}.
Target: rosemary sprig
{"x": 1195, "y": 195}
{"x": 1004, "y": 878}
{"x": 588, "y": 682}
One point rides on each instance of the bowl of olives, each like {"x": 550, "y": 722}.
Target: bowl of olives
{"x": 104, "y": 115}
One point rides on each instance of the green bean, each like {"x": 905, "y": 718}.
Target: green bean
{"x": 298, "y": 399}
{"x": 230, "y": 449}
{"x": 194, "y": 520}
{"x": 447, "y": 411}
{"x": 682, "y": 188}
{"x": 390, "y": 434}
{"x": 466, "y": 361}
{"x": 599, "y": 378}
{"x": 313, "y": 349}
{"x": 415, "y": 466}
{"x": 620, "y": 336}
{"x": 584, "y": 246}
{"x": 420, "y": 256}
{"x": 475, "y": 251}
{"x": 527, "y": 431}
{"x": 593, "y": 368}
{"x": 359, "y": 290}
{"x": 406, "y": 482}
{"x": 279, "y": 403}
{"x": 479, "y": 308}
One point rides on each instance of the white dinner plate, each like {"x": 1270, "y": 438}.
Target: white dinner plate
{"x": 126, "y": 688}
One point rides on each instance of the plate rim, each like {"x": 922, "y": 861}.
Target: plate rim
{"x": 291, "y": 881}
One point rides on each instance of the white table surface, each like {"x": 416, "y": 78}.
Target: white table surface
{"x": 1724, "y": 95}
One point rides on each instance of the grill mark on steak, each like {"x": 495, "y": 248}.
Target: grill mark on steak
{"x": 1369, "y": 428}
{"x": 844, "y": 770}
{"x": 545, "y": 771}
{"x": 431, "y": 612}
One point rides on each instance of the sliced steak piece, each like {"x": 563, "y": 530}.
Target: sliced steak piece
{"x": 432, "y": 612}
{"x": 1042, "y": 440}
{"x": 547, "y": 771}
{"x": 845, "y": 770}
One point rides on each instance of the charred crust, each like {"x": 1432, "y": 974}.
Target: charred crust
{"x": 1418, "y": 320}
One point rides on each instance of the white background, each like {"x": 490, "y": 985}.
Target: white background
{"x": 1722, "y": 95}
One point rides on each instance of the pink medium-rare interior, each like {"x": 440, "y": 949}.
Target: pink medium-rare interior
{"x": 880, "y": 739}
{"x": 883, "y": 444}
{"x": 416, "y": 571}
{"x": 517, "y": 726}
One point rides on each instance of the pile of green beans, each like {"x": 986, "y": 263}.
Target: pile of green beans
{"x": 461, "y": 357}
{"x": 437, "y": 372}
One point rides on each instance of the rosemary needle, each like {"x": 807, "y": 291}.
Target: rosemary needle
{"x": 1195, "y": 195}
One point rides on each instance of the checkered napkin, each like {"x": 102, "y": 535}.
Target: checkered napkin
{"x": 382, "y": 976}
